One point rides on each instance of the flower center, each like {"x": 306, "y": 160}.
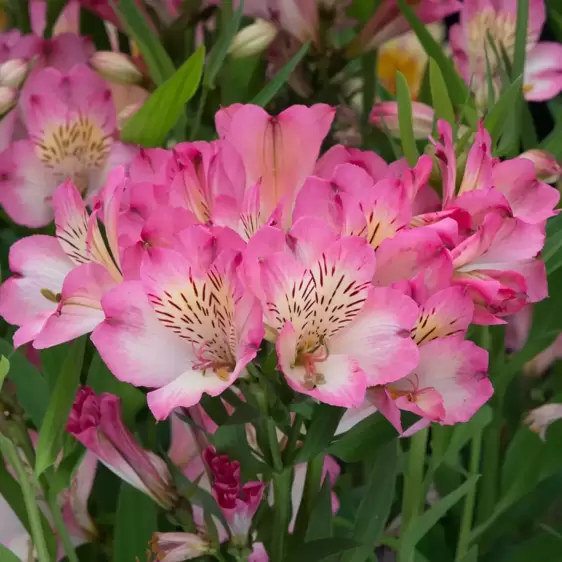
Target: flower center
{"x": 309, "y": 360}
{"x": 73, "y": 149}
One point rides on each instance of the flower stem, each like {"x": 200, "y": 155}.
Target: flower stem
{"x": 468, "y": 510}
{"x": 281, "y": 496}
{"x": 413, "y": 496}
{"x": 199, "y": 114}
{"x": 10, "y": 453}
{"x": 293, "y": 439}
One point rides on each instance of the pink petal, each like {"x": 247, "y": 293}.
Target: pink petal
{"x": 369, "y": 161}
{"x": 134, "y": 344}
{"x": 543, "y": 72}
{"x": 381, "y": 399}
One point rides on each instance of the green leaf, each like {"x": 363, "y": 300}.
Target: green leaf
{"x": 4, "y": 370}
{"x": 457, "y": 89}
{"x": 220, "y": 48}
{"x": 520, "y": 51}
{"x": 502, "y": 110}
{"x": 320, "y": 520}
{"x": 552, "y": 251}
{"x": 322, "y": 549}
{"x": 363, "y": 439}
{"x": 100, "y": 379}
{"x": 52, "y": 429}
{"x": 6, "y": 555}
{"x": 374, "y": 508}
{"x": 471, "y": 555}
{"x": 12, "y": 494}
{"x": 135, "y": 521}
{"x": 52, "y": 359}
{"x": 157, "y": 60}
{"x": 420, "y": 526}
{"x": 440, "y": 94}
{"x": 322, "y": 428}
{"x": 268, "y": 93}
{"x": 31, "y": 387}
{"x": 407, "y": 137}
{"x": 153, "y": 121}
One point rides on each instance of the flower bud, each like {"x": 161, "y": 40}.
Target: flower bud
{"x": 253, "y": 39}
{"x": 175, "y": 547}
{"x": 384, "y": 116}
{"x": 97, "y": 423}
{"x": 547, "y": 167}
{"x": 8, "y": 98}
{"x": 13, "y": 73}
{"x": 116, "y": 67}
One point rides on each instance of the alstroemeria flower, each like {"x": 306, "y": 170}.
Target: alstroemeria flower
{"x": 540, "y": 418}
{"x": 336, "y": 333}
{"x": 70, "y": 120}
{"x": 189, "y": 326}
{"x": 279, "y": 152}
{"x": 96, "y": 422}
{"x": 238, "y": 502}
{"x": 498, "y": 19}
{"x": 388, "y": 22}
{"x": 177, "y": 547}
{"x": 499, "y": 267}
{"x": 56, "y": 290}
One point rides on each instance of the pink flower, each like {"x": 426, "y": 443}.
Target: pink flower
{"x": 336, "y": 333}
{"x": 540, "y": 418}
{"x": 238, "y": 502}
{"x": 189, "y": 326}
{"x": 97, "y": 423}
{"x": 384, "y": 116}
{"x": 497, "y": 18}
{"x": 177, "y": 547}
{"x": 70, "y": 121}
{"x": 546, "y": 166}
{"x": 55, "y": 293}
{"x": 278, "y": 152}
{"x": 388, "y": 22}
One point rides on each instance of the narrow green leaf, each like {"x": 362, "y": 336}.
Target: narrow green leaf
{"x": 520, "y": 51}
{"x": 457, "y": 88}
{"x": 377, "y": 500}
{"x": 12, "y": 494}
{"x": 471, "y": 555}
{"x": 153, "y": 121}
{"x": 322, "y": 549}
{"x": 4, "y": 370}
{"x": 100, "y": 379}
{"x": 159, "y": 63}
{"x": 407, "y": 137}
{"x": 6, "y": 555}
{"x": 321, "y": 431}
{"x": 31, "y": 387}
{"x": 268, "y": 93}
{"x": 363, "y": 439}
{"x": 490, "y": 82}
{"x": 320, "y": 520}
{"x": 440, "y": 94}
{"x": 220, "y": 48}
{"x": 135, "y": 522}
{"x": 52, "y": 429}
{"x": 422, "y": 524}
{"x": 52, "y": 359}
{"x": 502, "y": 110}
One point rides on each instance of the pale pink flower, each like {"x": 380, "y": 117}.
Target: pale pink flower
{"x": 388, "y": 22}
{"x": 336, "y": 333}
{"x": 177, "y": 546}
{"x": 97, "y": 423}
{"x": 70, "y": 121}
{"x": 497, "y": 18}
{"x": 189, "y": 326}
{"x": 279, "y": 152}
{"x": 539, "y": 419}
{"x": 384, "y": 116}
{"x": 547, "y": 167}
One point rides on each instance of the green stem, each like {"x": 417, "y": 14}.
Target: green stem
{"x": 274, "y": 445}
{"x": 490, "y": 469}
{"x": 470, "y": 500}
{"x": 281, "y": 512}
{"x": 312, "y": 486}
{"x": 413, "y": 496}
{"x": 13, "y": 458}
{"x": 199, "y": 114}
{"x": 292, "y": 439}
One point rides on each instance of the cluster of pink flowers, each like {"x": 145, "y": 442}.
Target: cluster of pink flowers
{"x": 364, "y": 276}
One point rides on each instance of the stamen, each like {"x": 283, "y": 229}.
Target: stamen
{"x": 50, "y": 296}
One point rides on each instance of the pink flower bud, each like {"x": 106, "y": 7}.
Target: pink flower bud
{"x": 176, "y": 547}
{"x": 116, "y": 67}
{"x": 238, "y": 502}
{"x": 13, "y": 73}
{"x": 547, "y": 167}
{"x": 97, "y": 423}
{"x": 8, "y": 98}
{"x": 253, "y": 39}
{"x": 384, "y": 116}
